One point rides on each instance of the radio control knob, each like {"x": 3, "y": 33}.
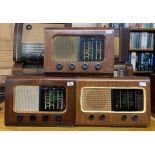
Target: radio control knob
{"x": 58, "y": 118}
{"x": 124, "y": 117}
{"x": 91, "y": 117}
{"x": 102, "y": 117}
{"x": 72, "y": 66}
{"x": 28, "y": 27}
{"x": 20, "y": 118}
{"x": 59, "y": 66}
{"x": 85, "y": 66}
{"x": 98, "y": 66}
{"x": 134, "y": 117}
{"x": 45, "y": 118}
{"x": 33, "y": 118}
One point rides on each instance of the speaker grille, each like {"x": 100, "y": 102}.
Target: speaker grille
{"x": 65, "y": 48}
{"x": 27, "y": 98}
{"x": 96, "y": 99}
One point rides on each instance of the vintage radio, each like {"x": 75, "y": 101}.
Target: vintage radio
{"x": 113, "y": 101}
{"x": 40, "y": 101}
{"x": 29, "y": 41}
{"x": 79, "y": 51}
{"x": 152, "y": 77}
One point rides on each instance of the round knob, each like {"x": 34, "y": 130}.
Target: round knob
{"x": 134, "y": 118}
{"x": 124, "y": 117}
{"x": 59, "y": 66}
{"x": 45, "y": 118}
{"x": 33, "y": 118}
{"x": 91, "y": 117}
{"x": 102, "y": 117}
{"x": 72, "y": 66}
{"x": 98, "y": 66}
{"x": 28, "y": 27}
{"x": 20, "y": 118}
{"x": 58, "y": 118}
{"x": 85, "y": 66}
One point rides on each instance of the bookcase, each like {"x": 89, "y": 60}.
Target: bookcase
{"x": 142, "y": 50}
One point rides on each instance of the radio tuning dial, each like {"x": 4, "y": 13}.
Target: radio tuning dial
{"x": 59, "y": 66}
{"x": 102, "y": 117}
{"x": 58, "y": 118}
{"x": 98, "y": 66}
{"x": 124, "y": 117}
{"x": 20, "y": 118}
{"x": 45, "y": 118}
{"x": 91, "y": 117}
{"x": 85, "y": 66}
{"x": 134, "y": 117}
{"x": 33, "y": 118}
{"x": 72, "y": 66}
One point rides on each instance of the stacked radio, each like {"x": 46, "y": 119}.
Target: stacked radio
{"x": 77, "y": 86}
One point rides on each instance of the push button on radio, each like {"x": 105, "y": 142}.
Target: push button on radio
{"x": 91, "y": 117}
{"x": 59, "y": 66}
{"x": 98, "y": 66}
{"x": 72, "y": 66}
{"x": 85, "y": 66}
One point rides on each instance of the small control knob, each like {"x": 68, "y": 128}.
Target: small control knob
{"x": 85, "y": 66}
{"x": 58, "y": 118}
{"x": 28, "y": 27}
{"x": 134, "y": 117}
{"x": 72, "y": 66}
{"x": 33, "y": 118}
{"x": 59, "y": 66}
{"x": 91, "y": 117}
{"x": 98, "y": 66}
{"x": 102, "y": 117}
{"x": 45, "y": 118}
{"x": 124, "y": 117}
{"x": 20, "y": 118}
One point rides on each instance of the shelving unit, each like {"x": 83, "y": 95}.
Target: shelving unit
{"x": 145, "y": 56}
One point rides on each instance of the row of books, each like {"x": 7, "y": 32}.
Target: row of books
{"x": 141, "y": 40}
{"x": 127, "y": 25}
{"x": 142, "y": 25}
{"x": 141, "y": 61}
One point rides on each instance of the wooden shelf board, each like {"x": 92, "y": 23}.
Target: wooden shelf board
{"x": 141, "y": 50}
{"x": 143, "y": 29}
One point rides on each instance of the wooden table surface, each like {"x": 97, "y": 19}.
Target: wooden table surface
{"x": 72, "y": 128}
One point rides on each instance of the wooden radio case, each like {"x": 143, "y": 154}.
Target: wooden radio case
{"x": 79, "y": 51}
{"x": 29, "y": 41}
{"x": 39, "y": 101}
{"x": 113, "y": 101}
{"x": 152, "y": 77}
{"x": 28, "y": 46}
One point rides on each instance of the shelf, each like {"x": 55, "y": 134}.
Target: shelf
{"x": 142, "y": 50}
{"x": 142, "y": 29}
{"x": 143, "y": 72}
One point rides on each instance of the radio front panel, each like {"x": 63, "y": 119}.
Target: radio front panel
{"x": 113, "y": 102}
{"x": 79, "y": 50}
{"x": 39, "y": 101}
{"x": 29, "y": 41}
